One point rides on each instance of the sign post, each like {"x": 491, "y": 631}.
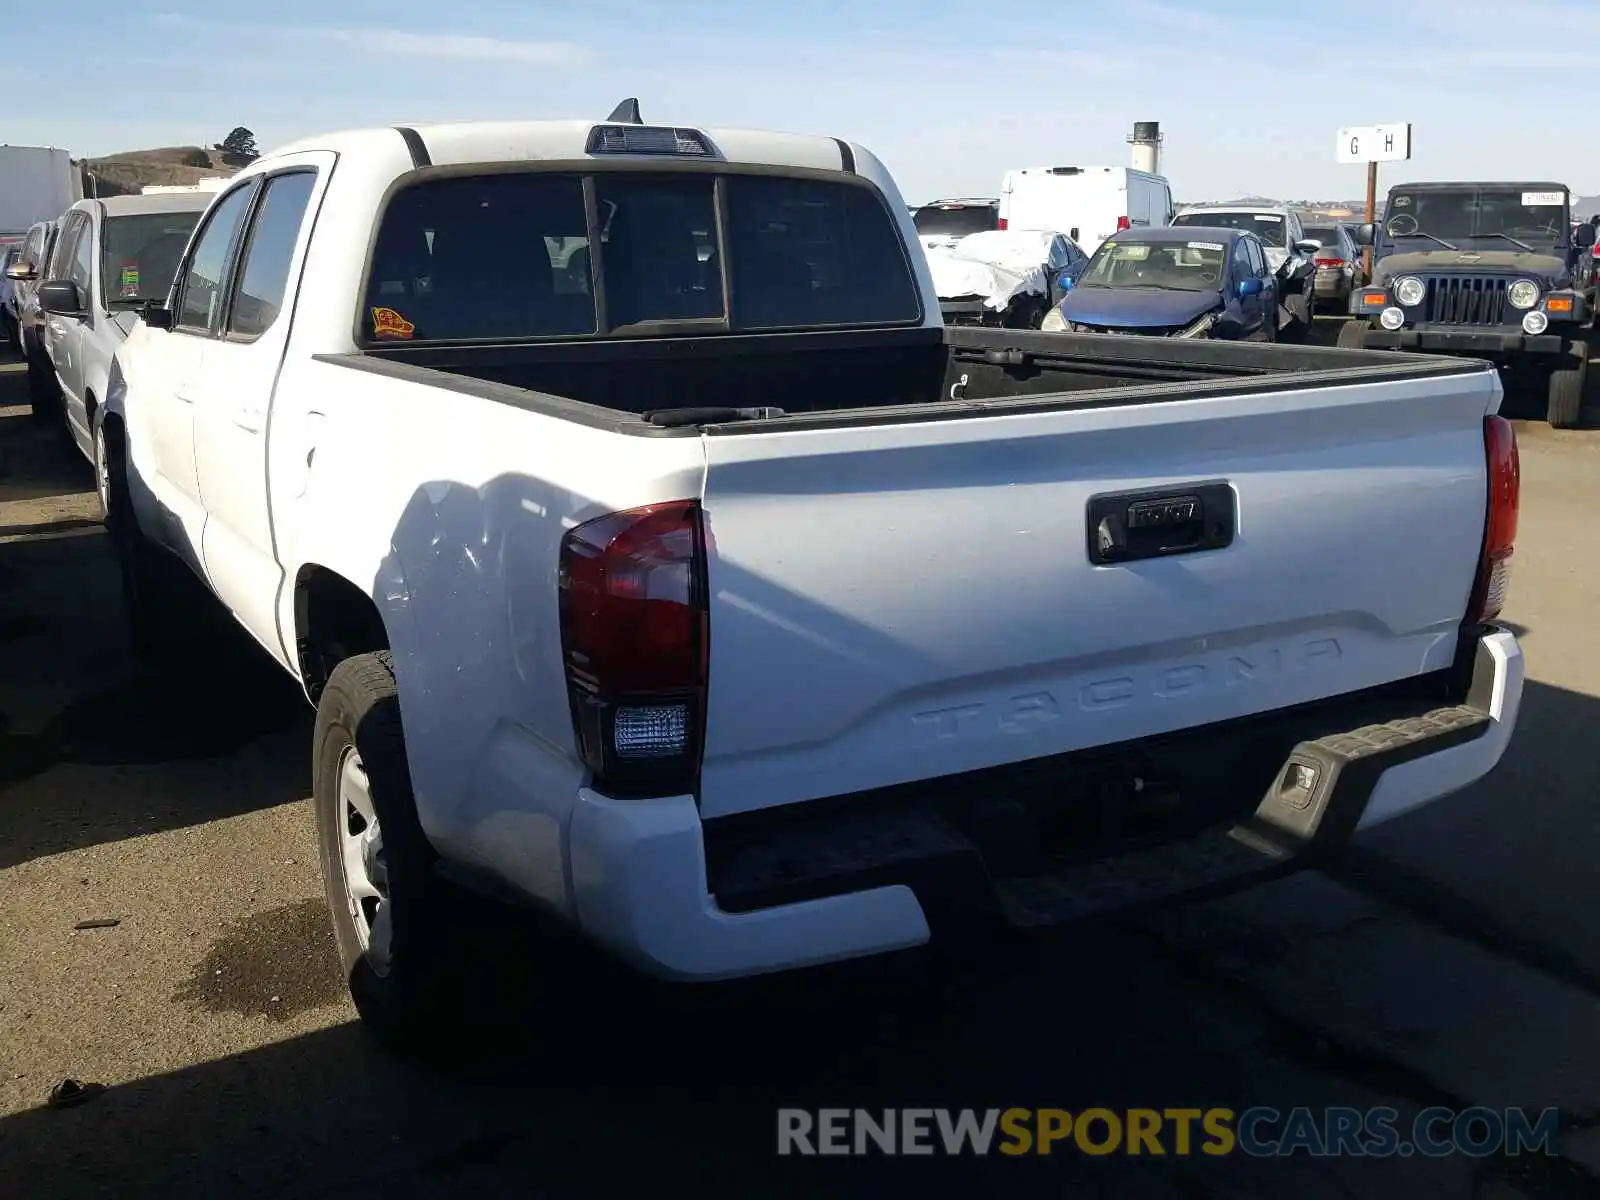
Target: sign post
{"x": 1373, "y": 144}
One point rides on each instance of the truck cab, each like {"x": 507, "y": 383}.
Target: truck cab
{"x": 1489, "y": 270}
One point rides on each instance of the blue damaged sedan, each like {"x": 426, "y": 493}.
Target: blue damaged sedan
{"x": 1193, "y": 282}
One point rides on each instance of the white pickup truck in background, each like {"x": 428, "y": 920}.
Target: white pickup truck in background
{"x": 654, "y": 556}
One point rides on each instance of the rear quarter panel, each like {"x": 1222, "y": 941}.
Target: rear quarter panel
{"x": 448, "y": 510}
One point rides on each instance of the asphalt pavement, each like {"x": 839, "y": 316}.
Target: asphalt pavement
{"x": 1448, "y": 961}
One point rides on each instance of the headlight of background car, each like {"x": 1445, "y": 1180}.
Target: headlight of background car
{"x": 1053, "y": 322}
{"x": 1524, "y": 293}
{"x": 1409, "y": 291}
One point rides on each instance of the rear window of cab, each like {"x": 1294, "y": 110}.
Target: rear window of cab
{"x": 524, "y": 255}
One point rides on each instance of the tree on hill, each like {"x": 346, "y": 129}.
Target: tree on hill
{"x": 240, "y": 143}
{"x": 197, "y": 158}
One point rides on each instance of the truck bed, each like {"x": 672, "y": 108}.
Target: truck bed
{"x": 876, "y": 376}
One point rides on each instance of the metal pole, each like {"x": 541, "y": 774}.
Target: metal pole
{"x": 1372, "y": 215}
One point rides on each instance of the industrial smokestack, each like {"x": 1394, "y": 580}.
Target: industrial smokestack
{"x": 1146, "y": 142}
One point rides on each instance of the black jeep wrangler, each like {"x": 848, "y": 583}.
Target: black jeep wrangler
{"x": 1484, "y": 270}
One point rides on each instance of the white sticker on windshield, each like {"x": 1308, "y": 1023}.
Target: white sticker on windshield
{"x": 1217, "y": 246}
{"x": 1531, "y": 199}
{"x": 1269, "y": 218}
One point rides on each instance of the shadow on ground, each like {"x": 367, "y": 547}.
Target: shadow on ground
{"x": 71, "y": 693}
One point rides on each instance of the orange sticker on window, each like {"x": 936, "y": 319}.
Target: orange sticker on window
{"x": 386, "y": 323}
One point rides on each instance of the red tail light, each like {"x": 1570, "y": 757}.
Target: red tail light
{"x": 1123, "y": 223}
{"x": 1500, "y": 523}
{"x": 1329, "y": 262}
{"x": 634, "y": 641}
{"x": 1002, "y": 224}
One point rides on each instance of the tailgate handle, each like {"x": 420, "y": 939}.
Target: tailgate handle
{"x": 1160, "y": 522}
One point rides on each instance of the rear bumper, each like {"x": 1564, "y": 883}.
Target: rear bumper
{"x": 1331, "y": 284}
{"x": 1464, "y": 341}
{"x": 685, "y": 900}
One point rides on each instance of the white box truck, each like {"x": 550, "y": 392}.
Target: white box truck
{"x": 37, "y": 183}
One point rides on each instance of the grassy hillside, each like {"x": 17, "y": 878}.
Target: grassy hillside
{"x": 129, "y": 171}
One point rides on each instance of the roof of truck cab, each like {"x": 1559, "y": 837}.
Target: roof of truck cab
{"x": 1529, "y": 185}
{"x": 1161, "y": 234}
{"x": 517, "y": 141}
{"x": 1233, "y": 208}
{"x": 160, "y": 202}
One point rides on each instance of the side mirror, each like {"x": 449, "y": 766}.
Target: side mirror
{"x": 1366, "y": 233}
{"x": 1073, "y": 233}
{"x": 21, "y": 271}
{"x": 1584, "y": 237}
{"x": 1249, "y": 287}
{"x": 157, "y": 315}
{"x": 1307, "y": 246}
{"x": 61, "y": 297}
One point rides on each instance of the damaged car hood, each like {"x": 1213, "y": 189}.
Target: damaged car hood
{"x": 1136, "y": 308}
{"x": 957, "y": 275}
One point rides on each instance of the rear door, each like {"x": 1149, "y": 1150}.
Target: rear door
{"x": 233, "y": 389}
{"x": 915, "y": 600}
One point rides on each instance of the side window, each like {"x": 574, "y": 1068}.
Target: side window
{"x": 81, "y": 269}
{"x": 199, "y": 302}
{"x": 1258, "y": 258}
{"x": 31, "y": 246}
{"x": 66, "y": 246}
{"x": 263, "y": 275}
{"x": 52, "y": 244}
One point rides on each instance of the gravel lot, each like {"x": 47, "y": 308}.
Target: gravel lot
{"x": 1450, "y": 962}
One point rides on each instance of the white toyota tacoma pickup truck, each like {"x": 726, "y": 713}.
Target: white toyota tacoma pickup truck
{"x": 653, "y": 555}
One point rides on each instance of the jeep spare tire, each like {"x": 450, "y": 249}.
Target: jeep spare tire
{"x": 1567, "y": 381}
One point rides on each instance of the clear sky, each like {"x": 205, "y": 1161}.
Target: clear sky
{"x": 949, "y": 93}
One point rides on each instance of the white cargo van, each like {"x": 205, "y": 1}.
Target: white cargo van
{"x": 1089, "y": 203}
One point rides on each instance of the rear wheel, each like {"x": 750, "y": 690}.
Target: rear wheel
{"x": 1565, "y": 398}
{"x": 398, "y": 924}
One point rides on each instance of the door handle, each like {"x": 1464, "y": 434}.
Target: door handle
{"x": 1157, "y": 523}
{"x": 249, "y": 417}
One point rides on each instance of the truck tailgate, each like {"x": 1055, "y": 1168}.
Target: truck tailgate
{"x": 903, "y": 601}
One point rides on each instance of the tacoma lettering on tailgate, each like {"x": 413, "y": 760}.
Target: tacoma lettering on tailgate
{"x": 1025, "y": 712}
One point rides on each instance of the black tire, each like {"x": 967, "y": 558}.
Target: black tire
{"x": 43, "y": 391}
{"x": 407, "y": 997}
{"x": 1299, "y": 308}
{"x": 1564, "y": 405}
{"x": 1351, "y": 333}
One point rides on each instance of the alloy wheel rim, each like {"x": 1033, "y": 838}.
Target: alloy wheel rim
{"x": 361, "y": 856}
{"x": 102, "y": 472}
